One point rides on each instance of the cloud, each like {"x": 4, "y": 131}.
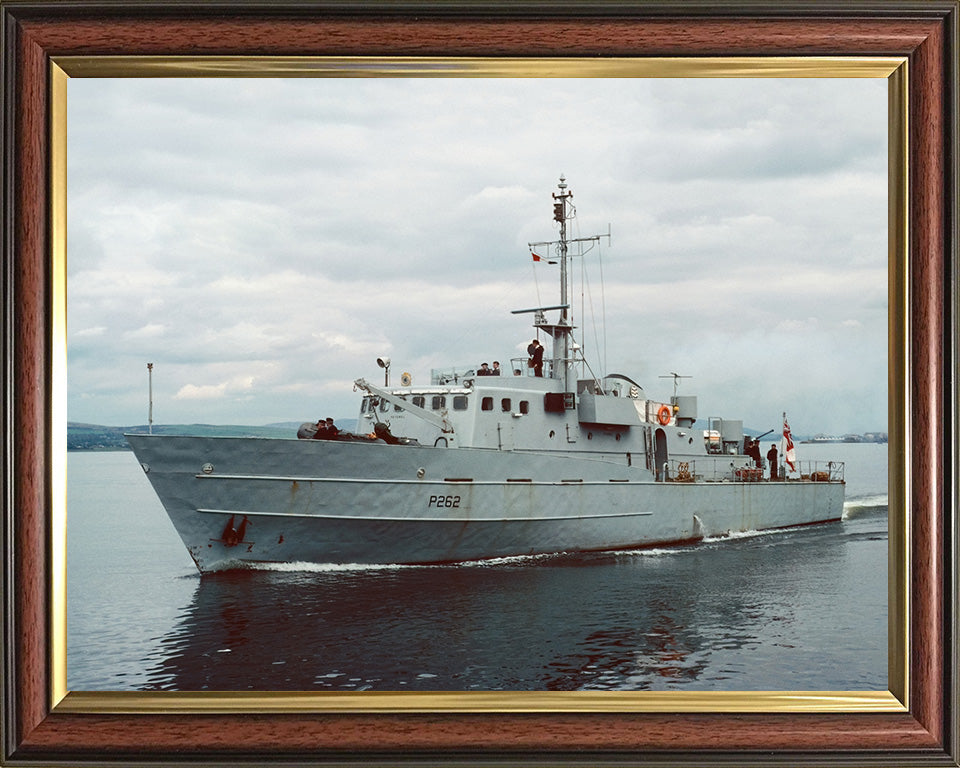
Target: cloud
{"x": 95, "y": 331}
{"x": 149, "y": 331}
{"x": 792, "y": 325}
{"x": 205, "y": 392}
{"x": 215, "y": 391}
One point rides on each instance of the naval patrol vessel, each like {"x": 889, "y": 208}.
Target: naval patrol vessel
{"x": 540, "y": 460}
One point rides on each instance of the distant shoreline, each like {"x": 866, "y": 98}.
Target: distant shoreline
{"x": 870, "y": 438}
{"x": 97, "y": 437}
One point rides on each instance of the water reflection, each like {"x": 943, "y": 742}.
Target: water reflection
{"x": 631, "y": 621}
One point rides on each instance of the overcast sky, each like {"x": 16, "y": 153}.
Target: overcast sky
{"x": 263, "y": 241}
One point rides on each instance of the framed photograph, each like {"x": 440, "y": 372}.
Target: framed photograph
{"x": 910, "y": 710}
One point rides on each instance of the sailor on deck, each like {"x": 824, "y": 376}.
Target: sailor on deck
{"x": 535, "y": 351}
{"x": 326, "y": 430}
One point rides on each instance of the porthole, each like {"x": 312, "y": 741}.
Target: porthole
{"x": 589, "y": 435}
{"x": 618, "y": 435}
{"x": 552, "y": 433}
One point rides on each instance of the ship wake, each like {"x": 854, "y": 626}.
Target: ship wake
{"x": 864, "y": 506}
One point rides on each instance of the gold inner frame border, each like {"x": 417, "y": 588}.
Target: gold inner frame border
{"x": 895, "y": 699}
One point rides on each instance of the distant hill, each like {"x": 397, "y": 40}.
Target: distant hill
{"x": 96, "y": 437}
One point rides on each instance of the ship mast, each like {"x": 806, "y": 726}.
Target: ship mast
{"x": 562, "y": 335}
{"x": 560, "y": 331}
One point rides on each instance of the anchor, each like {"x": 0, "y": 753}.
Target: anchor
{"x": 232, "y": 536}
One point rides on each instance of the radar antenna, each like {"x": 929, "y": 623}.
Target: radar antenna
{"x": 676, "y": 380}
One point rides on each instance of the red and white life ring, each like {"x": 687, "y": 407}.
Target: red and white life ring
{"x": 663, "y": 415}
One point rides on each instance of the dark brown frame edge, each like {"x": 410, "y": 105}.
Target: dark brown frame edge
{"x": 925, "y": 32}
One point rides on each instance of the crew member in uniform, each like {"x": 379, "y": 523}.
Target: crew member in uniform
{"x": 535, "y": 351}
{"x": 772, "y": 458}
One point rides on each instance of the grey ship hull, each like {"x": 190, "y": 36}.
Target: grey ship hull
{"x": 243, "y": 501}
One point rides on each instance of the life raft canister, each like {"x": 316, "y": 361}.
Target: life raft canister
{"x": 663, "y": 415}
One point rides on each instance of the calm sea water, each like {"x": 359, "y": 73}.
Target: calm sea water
{"x": 801, "y": 609}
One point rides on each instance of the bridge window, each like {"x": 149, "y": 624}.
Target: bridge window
{"x": 459, "y": 402}
{"x": 439, "y": 401}
{"x": 384, "y": 406}
{"x": 419, "y": 400}
{"x": 486, "y": 404}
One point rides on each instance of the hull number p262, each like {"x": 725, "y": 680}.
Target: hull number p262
{"x": 452, "y": 502}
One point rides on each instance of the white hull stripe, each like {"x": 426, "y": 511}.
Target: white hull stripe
{"x": 451, "y": 481}
{"x": 381, "y": 518}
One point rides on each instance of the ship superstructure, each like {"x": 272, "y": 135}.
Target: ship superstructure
{"x": 535, "y": 460}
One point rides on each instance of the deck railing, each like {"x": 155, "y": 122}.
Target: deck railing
{"x": 456, "y": 375}
{"x": 717, "y": 470}
{"x": 520, "y": 364}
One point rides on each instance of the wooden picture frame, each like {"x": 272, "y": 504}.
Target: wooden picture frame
{"x": 39, "y": 728}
